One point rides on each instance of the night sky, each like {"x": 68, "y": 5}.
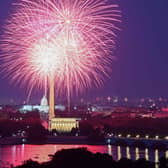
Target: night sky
{"x": 140, "y": 69}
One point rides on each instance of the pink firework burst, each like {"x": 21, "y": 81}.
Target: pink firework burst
{"x": 70, "y": 40}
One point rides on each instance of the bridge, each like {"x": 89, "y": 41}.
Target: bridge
{"x": 138, "y": 141}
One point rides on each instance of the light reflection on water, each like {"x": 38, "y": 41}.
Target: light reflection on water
{"x": 146, "y": 154}
{"x": 128, "y": 152}
{"x": 156, "y": 157}
{"x": 135, "y": 153}
{"x": 18, "y": 153}
{"x": 166, "y": 154}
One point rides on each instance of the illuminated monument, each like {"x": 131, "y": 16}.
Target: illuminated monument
{"x": 59, "y": 124}
{"x": 51, "y": 103}
{"x": 64, "y": 124}
{"x": 44, "y": 105}
{"x": 72, "y": 41}
{"x": 44, "y": 101}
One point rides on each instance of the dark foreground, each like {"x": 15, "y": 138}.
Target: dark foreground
{"x": 81, "y": 158}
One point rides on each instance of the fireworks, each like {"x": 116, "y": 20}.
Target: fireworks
{"x": 71, "y": 40}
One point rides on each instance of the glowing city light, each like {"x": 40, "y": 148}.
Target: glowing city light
{"x": 128, "y": 136}
{"x": 147, "y": 136}
{"x": 166, "y": 138}
{"x": 156, "y": 137}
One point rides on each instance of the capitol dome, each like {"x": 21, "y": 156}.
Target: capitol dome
{"x": 44, "y": 101}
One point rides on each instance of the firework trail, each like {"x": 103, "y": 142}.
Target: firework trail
{"x": 71, "y": 40}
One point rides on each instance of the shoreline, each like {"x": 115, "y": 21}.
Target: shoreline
{"x": 84, "y": 140}
{"x": 70, "y": 140}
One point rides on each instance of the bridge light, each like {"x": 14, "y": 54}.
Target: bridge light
{"x": 156, "y": 137}
{"x": 128, "y": 136}
{"x": 147, "y": 136}
{"x": 166, "y": 138}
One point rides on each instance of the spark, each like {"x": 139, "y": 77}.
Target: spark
{"x": 73, "y": 40}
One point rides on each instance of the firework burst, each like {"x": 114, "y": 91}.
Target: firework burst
{"x": 71, "y": 40}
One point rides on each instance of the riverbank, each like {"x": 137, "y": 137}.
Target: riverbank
{"x": 67, "y": 140}
{"x": 84, "y": 140}
{"x": 81, "y": 140}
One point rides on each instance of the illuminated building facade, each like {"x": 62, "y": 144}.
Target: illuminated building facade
{"x": 42, "y": 108}
{"x": 44, "y": 105}
{"x": 64, "y": 125}
{"x": 59, "y": 124}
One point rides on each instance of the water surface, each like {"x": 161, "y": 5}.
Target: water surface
{"x": 16, "y": 154}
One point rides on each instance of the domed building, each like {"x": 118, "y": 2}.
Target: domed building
{"x": 44, "y": 105}
{"x": 44, "y": 101}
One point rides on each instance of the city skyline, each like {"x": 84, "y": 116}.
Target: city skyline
{"x": 79, "y": 77}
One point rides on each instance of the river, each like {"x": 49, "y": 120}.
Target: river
{"x": 16, "y": 154}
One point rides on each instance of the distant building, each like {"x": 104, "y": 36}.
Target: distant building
{"x": 43, "y": 107}
{"x": 63, "y": 125}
